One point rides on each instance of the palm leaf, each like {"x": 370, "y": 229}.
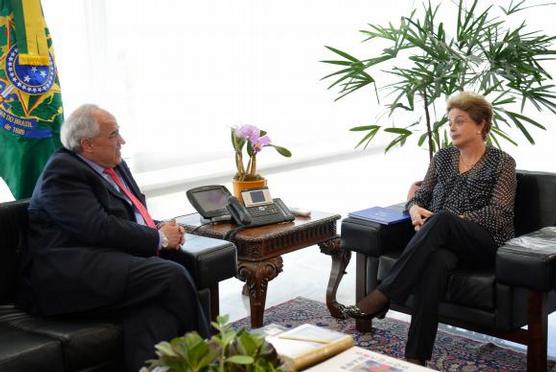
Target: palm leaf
{"x": 398, "y": 140}
{"x": 343, "y": 54}
{"x": 500, "y": 133}
{"x": 521, "y": 127}
{"x": 373, "y": 130}
{"x": 364, "y": 128}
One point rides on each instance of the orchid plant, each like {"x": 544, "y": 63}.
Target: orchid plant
{"x": 254, "y": 140}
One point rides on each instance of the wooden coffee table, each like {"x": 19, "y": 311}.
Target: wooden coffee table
{"x": 260, "y": 251}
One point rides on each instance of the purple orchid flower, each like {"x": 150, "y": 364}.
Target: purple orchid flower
{"x": 256, "y": 140}
{"x": 249, "y": 132}
{"x": 260, "y": 143}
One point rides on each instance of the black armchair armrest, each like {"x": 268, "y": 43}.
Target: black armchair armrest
{"x": 528, "y": 261}
{"x": 208, "y": 260}
{"x": 374, "y": 239}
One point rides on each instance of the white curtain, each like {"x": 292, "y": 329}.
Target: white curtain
{"x": 177, "y": 74}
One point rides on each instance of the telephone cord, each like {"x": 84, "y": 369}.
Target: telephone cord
{"x": 232, "y": 233}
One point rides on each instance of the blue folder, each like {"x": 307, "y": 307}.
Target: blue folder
{"x": 384, "y": 216}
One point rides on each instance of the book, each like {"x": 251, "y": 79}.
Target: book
{"x": 357, "y": 359}
{"x": 308, "y": 344}
{"x": 384, "y": 216}
{"x": 271, "y": 329}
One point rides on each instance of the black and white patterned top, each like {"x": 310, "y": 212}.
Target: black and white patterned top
{"x": 484, "y": 194}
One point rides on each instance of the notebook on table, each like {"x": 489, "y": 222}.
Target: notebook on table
{"x": 384, "y": 216}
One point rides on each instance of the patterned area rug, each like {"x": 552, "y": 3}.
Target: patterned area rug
{"x": 451, "y": 352}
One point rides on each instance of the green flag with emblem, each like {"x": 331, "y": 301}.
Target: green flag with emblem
{"x": 30, "y": 100}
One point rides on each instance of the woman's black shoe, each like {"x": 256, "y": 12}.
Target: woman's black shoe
{"x": 353, "y": 311}
{"x": 417, "y": 361}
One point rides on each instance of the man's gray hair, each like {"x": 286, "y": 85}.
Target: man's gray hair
{"x": 82, "y": 123}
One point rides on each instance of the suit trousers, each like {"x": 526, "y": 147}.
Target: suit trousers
{"x": 443, "y": 243}
{"x": 160, "y": 302}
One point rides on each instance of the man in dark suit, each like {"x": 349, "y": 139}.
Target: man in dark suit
{"x": 93, "y": 247}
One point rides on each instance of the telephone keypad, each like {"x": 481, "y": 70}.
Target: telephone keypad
{"x": 265, "y": 214}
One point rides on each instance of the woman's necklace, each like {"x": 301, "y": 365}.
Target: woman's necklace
{"x": 464, "y": 166}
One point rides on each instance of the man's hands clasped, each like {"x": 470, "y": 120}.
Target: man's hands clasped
{"x": 418, "y": 216}
{"x": 174, "y": 232}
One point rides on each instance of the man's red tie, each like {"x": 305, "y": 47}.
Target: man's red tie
{"x": 136, "y": 202}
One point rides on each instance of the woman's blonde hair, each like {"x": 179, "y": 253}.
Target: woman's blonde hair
{"x": 478, "y": 108}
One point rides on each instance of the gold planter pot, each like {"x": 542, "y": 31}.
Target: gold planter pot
{"x": 239, "y": 186}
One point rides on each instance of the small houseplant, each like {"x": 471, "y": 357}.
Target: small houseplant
{"x": 228, "y": 350}
{"x": 252, "y": 140}
{"x": 430, "y": 60}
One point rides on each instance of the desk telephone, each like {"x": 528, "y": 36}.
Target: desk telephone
{"x": 215, "y": 203}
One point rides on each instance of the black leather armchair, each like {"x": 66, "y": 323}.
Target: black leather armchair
{"x": 30, "y": 343}
{"x": 499, "y": 301}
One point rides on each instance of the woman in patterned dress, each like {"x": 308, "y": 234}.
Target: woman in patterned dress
{"x": 462, "y": 212}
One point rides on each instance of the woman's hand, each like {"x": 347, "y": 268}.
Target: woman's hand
{"x": 418, "y": 216}
{"x": 413, "y": 189}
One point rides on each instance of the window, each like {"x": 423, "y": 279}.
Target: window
{"x": 177, "y": 74}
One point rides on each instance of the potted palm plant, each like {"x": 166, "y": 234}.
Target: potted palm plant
{"x": 430, "y": 59}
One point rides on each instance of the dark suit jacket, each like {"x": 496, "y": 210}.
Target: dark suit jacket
{"x": 82, "y": 238}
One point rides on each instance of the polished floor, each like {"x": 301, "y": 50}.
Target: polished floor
{"x": 342, "y": 186}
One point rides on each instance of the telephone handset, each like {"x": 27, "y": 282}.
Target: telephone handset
{"x": 259, "y": 209}
{"x": 239, "y": 213}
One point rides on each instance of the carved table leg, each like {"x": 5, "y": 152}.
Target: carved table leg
{"x": 340, "y": 260}
{"x": 256, "y": 276}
